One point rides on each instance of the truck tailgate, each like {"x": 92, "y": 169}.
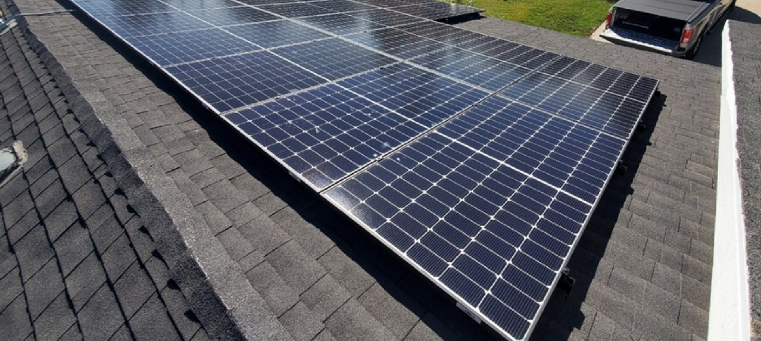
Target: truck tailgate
{"x": 674, "y": 9}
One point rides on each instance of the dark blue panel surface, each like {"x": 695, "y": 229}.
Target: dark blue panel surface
{"x": 236, "y": 81}
{"x": 340, "y": 24}
{"x": 276, "y": 33}
{"x": 385, "y": 17}
{"x": 99, "y": 9}
{"x": 184, "y": 47}
{"x": 340, "y": 6}
{"x": 397, "y": 43}
{"x": 489, "y": 204}
{"x": 150, "y": 24}
{"x": 266, "y": 2}
{"x": 191, "y": 5}
{"x": 296, "y": 9}
{"x": 476, "y": 69}
{"x": 593, "y": 107}
{"x": 228, "y": 16}
{"x": 325, "y": 133}
{"x": 421, "y": 96}
{"x": 438, "y": 10}
{"x": 334, "y": 58}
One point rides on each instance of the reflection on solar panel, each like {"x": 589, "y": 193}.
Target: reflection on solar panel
{"x": 276, "y": 33}
{"x": 477, "y": 160}
{"x": 240, "y": 80}
{"x": 334, "y": 58}
{"x": 438, "y": 10}
{"x": 183, "y": 47}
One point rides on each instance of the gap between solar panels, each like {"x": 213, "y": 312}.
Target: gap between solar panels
{"x": 477, "y": 160}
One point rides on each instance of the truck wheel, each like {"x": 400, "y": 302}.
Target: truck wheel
{"x": 694, "y": 50}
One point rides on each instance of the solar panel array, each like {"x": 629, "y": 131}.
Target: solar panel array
{"x": 477, "y": 160}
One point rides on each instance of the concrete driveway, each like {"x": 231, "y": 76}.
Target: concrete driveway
{"x": 710, "y": 52}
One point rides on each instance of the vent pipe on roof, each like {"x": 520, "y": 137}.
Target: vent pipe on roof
{"x": 11, "y": 159}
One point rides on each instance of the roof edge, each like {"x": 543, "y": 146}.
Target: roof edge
{"x": 224, "y": 301}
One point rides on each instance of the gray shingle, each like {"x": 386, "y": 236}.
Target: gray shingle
{"x": 133, "y": 289}
{"x": 351, "y": 321}
{"x": 100, "y": 317}
{"x": 278, "y": 295}
{"x": 235, "y": 244}
{"x": 264, "y": 234}
{"x": 178, "y": 308}
{"x": 296, "y": 268}
{"x": 152, "y": 323}
{"x": 72, "y": 247}
{"x": 118, "y": 257}
{"x": 33, "y": 251}
{"x": 301, "y": 323}
{"x": 325, "y": 297}
{"x": 397, "y": 312}
{"x": 43, "y": 288}
{"x": 11, "y": 285}
{"x": 63, "y": 216}
{"x": 344, "y": 269}
{"x": 55, "y": 319}
{"x": 85, "y": 280}
{"x": 15, "y": 315}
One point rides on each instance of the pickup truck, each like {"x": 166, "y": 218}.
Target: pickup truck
{"x": 674, "y": 27}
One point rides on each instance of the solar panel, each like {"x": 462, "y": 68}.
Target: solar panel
{"x": 182, "y": 47}
{"x": 240, "y": 80}
{"x": 438, "y": 10}
{"x": 339, "y": 24}
{"x": 424, "y": 97}
{"x": 276, "y": 33}
{"x": 479, "y": 70}
{"x": 326, "y": 133}
{"x": 334, "y": 58}
{"x": 229, "y": 16}
{"x": 339, "y": 6}
{"x": 472, "y": 217}
{"x": 385, "y": 17}
{"x": 191, "y": 5}
{"x": 297, "y": 9}
{"x": 599, "y": 109}
{"x": 397, "y": 43}
{"x": 476, "y": 159}
{"x": 101, "y": 8}
{"x": 150, "y": 24}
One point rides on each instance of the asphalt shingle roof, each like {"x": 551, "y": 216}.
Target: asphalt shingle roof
{"x": 254, "y": 253}
{"x": 76, "y": 259}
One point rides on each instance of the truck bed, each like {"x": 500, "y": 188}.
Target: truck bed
{"x": 685, "y": 10}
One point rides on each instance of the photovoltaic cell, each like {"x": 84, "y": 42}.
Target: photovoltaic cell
{"x": 397, "y": 43}
{"x": 454, "y": 204}
{"x": 236, "y": 81}
{"x": 193, "y": 5}
{"x": 438, "y": 10}
{"x": 442, "y": 33}
{"x": 481, "y": 71}
{"x": 266, "y": 2}
{"x": 232, "y": 15}
{"x": 100, "y": 9}
{"x": 596, "y": 108}
{"x": 340, "y": 24}
{"x": 334, "y": 58}
{"x": 340, "y": 6}
{"x": 385, "y": 17}
{"x": 183, "y": 47}
{"x": 150, "y": 24}
{"x": 326, "y": 133}
{"x": 385, "y": 3}
{"x": 276, "y": 33}
{"x": 296, "y": 9}
{"x": 421, "y": 96}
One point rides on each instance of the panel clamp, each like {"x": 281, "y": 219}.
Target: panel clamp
{"x": 566, "y": 282}
{"x": 621, "y": 168}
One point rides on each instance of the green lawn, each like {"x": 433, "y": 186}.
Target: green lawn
{"x": 578, "y": 17}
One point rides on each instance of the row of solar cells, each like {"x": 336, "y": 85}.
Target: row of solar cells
{"x": 476, "y": 159}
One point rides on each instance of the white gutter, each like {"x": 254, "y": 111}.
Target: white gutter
{"x": 729, "y": 315}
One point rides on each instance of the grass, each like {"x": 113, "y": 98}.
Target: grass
{"x": 577, "y": 17}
